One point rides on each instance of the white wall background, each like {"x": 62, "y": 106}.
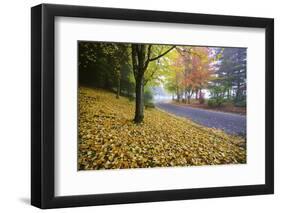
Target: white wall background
{"x": 15, "y": 105}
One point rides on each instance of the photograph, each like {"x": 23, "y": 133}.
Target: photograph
{"x": 160, "y": 105}
{"x": 170, "y": 105}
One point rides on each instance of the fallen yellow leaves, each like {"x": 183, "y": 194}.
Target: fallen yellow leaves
{"x": 109, "y": 139}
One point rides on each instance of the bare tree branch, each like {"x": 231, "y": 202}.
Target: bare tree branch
{"x": 134, "y": 59}
{"x": 148, "y": 56}
{"x": 159, "y": 56}
{"x": 187, "y": 51}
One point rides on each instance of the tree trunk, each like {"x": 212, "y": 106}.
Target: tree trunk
{"x": 178, "y": 95}
{"x": 118, "y": 87}
{"x": 128, "y": 90}
{"x": 139, "y": 101}
{"x": 141, "y": 57}
{"x": 189, "y": 95}
{"x": 185, "y": 97}
{"x": 238, "y": 91}
{"x": 188, "y": 99}
{"x": 228, "y": 93}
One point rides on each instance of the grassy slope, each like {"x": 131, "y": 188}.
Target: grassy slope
{"x": 109, "y": 139}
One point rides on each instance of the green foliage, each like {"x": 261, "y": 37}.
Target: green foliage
{"x": 216, "y": 102}
{"x": 211, "y": 103}
{"x": 231, "y": 72}
{"x": 105, "y": 65}
{"x": 242, "y": 103}
{"x": 149, "y": 105}
{"x": 217, "y": 96}
{"x": 148, "y": 97}
{"x": 217, "y": 90}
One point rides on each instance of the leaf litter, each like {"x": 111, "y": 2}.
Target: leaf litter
{"x": 109, "y": 139}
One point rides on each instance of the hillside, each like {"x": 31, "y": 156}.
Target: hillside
{"x": 109, "y": 139}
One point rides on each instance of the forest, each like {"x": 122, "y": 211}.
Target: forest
{"x": 136, "y": 86}
{"x": 186, "y": 72}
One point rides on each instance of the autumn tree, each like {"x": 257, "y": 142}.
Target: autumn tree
{"x": 142, "y": 55}
{"x": 201, "y": 70}
{"x": 192, "y": 70}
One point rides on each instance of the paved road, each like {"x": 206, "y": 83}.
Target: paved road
{"x": 229, "y": 122}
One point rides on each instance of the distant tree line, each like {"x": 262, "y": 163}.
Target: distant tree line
{"x": 219, "y": 71}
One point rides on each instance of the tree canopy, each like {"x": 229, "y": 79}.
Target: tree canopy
{"x": 133, "y": 70}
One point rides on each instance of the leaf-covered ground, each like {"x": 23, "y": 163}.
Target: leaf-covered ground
{"x": 109, "y": 139}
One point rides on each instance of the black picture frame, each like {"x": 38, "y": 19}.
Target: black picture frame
{"x": 43, "y": 102}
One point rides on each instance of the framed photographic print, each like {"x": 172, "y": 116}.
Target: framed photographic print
{"x": 139, "y": 106}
